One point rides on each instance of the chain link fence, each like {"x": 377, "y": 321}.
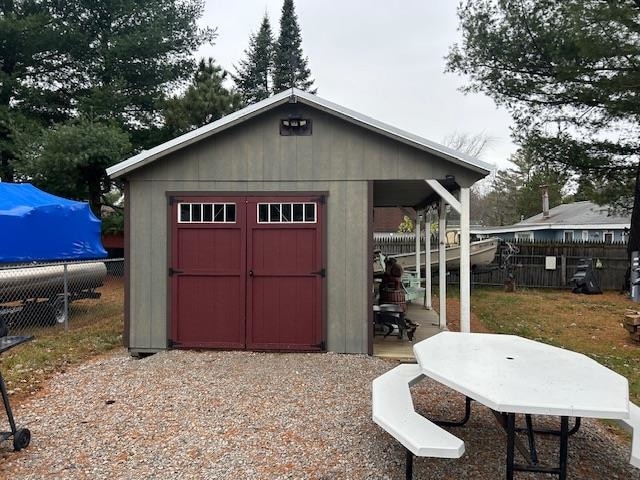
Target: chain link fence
{"x": 58, "y": 295}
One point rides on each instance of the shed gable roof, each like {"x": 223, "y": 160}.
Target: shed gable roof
{"x": 296, "y": 96}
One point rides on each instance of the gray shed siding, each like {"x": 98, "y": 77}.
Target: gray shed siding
{"x": 339, "y": 158}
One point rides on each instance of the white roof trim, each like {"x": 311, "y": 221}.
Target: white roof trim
{"x": 529, "y": 228}
{"x": 147, "y": 156}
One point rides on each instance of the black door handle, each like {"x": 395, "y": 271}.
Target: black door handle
{"x": 251, "y": 273}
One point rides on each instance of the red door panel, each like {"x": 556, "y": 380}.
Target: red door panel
{"x": 209, "y": 286}
{"x": 282, "y": 314}
{"x": 284, "y": 291}
{"x": 208, "y": 316}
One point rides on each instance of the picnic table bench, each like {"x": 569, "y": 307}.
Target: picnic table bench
{"x": 393, "y": 411}
{"x": 633, "y": 422}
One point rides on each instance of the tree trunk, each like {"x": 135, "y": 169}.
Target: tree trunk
{"x": 95, "y": 195}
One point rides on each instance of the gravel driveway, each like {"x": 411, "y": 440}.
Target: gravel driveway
{"x": 242, "y": 415}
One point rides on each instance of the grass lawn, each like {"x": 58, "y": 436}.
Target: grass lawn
{"x": 95, "y": 327}
{"x": 591, "y": 324}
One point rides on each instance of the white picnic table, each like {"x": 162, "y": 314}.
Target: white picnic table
{"x": 513, "y": 375}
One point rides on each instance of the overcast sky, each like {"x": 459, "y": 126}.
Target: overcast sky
{"x": 383, "y": 59}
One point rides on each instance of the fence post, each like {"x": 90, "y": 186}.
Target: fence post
{"x": 563, "y": 270}
{"x": 66, "y": 298}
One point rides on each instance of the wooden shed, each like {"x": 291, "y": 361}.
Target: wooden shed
{"x": 255, "y": 231}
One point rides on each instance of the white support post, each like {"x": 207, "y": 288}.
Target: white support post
{"x": 465, "y": 263}
{"x": 418, "y": 228}
{"x": 442, "y": 262}
{"x": 427, "y": 264}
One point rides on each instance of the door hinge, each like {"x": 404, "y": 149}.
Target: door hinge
{"x": 172, "y": 272}
{"x": 322, "y": 273}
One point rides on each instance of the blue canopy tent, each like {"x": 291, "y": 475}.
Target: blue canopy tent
{"x": 38, "y": 226}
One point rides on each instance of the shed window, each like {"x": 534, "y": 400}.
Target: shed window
{"x": 568, "y": 235}
{"x": 585, "y": 235}
{"x": 206, "y": 212}
{"x": 286, "y": 213}
{"x": 607, "y": 237}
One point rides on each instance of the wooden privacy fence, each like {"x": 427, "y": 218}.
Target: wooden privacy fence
{"x": 533, "y": 265}
{"x": 395, "y": 243}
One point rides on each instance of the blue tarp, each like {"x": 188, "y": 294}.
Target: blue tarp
{"x": 38, "y": 226}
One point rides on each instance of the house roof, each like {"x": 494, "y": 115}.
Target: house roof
{"x": 297, "y": 96}
{"x": 568, "y": 216}
{"x": 581, "y": 213}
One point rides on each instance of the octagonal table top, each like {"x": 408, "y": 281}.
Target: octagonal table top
{"x": 512, "y": 374}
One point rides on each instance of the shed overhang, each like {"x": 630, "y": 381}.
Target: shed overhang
{"x": 408, "y": 193}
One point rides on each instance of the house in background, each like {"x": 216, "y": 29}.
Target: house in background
{"x": 580, "y": 221}
{"x": 388, "y": 219}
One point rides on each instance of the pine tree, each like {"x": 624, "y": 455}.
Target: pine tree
{"x": 570, "y": 84}
{"x": 253, "y": 73}
{"x": 290, "y": 66}
{"x": 206, "y": 100}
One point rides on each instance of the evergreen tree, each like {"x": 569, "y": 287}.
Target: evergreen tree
{"x": 109, "y": 61}
{"x": 533, "y": 173}
{"x": 70, "y": 159}
{"x": 568, "y": 71}
{"x": 206, "y": 100}
{"x": 501, "y": 202}
{"x": 253, "y": 73}
{"x": 132, "y": 53}
{"x": 515, "y": 192}
{"x": 34, "y": 55}
{"x": 290, "y": 66}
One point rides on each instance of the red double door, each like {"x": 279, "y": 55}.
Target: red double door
{"x": 247, "y": 273}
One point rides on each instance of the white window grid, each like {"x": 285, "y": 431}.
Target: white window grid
{"x": 223, "y": 208}
{"x": 283, "y": 212}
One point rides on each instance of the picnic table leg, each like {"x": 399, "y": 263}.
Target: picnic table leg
{"x": 511, "y": 436}
{"x": 564, "y": 446}
{"x": 532, "y": 440}
{"x": 502, "y": 419}
{"x": 409, "y": 465}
